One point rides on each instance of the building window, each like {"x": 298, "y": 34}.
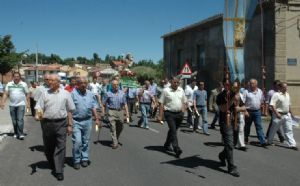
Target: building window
{"x": 201, "y": 56}
{"x": 180, "y": 59}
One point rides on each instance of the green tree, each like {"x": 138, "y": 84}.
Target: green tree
{"x": 54, "y": 58}
{"x": 8, "y": 57}
{"x": 82, "y": 60}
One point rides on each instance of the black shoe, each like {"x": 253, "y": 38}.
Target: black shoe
{"x": 243, "y": 149}
{"x": 76, "y": 166}
{"x": 168, "y": 148}
{"x": 265, "y": 145}
{"x": 294, "y": 148}
{"x": 212, "y": 127}
{"x": 234, "y": 172}
{"x": 84, "y": 163}
{"x": 60, "y": 176}
{"x": 247, "y": 141}
{"x": 178, "y": 153}
{"x": 281, "y": 140}
{"x": 222, "y": 160}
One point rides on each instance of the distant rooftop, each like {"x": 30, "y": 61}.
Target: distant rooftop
{"x": 202, "y": 22}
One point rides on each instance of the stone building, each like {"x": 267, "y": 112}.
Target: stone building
{"x": 202, "y": 46}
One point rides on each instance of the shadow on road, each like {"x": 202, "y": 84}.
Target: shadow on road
{"x": 196, "y": 161}
{"x": 39, "y": 148}
{"x": 213, "y": 144}
{"x": 7, "y": 134}
{"x": 188, "y": 131}
{"x": 159, "y": 149}
{"x": 69, "y": 161}
{"x": 39, "y": 165}
{"x": 106, "y": 143}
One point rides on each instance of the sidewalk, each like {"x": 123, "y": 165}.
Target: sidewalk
{"x": 5, "y": 123}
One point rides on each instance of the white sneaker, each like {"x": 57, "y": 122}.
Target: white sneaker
{"x": 147, "y": 127}
{"x": 21, "y": 137}
{"x": 199, "y": 127}
{"x": 15, "y": 136}
{"x": 191, "y": 126}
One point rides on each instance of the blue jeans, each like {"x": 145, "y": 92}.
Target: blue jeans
{"x": 202, "y": 110}
{"x": 17, "y": 117}
{"x": 81, "y": 137}
{"x": 254, "y": 116}
{"x": 145, "y": 109}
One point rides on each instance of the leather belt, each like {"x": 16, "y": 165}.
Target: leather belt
{"x": 54, "y": 120}
{"x": 115, "y": 109}
{"x": 173, "y": 112}
{"x": 82, "y": 119}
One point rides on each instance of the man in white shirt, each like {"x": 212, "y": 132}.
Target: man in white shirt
{"x": 253, "y": 99}
{"x": 281, "y": 107}
{"x": 17, "y": 91}
{"x": 95, "y": 87}
{"x": 173, "y": 105}
{"x": 189, "y": 92}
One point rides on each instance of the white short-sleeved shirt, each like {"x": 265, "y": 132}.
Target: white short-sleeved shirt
{"x": 95, "y": 88}
{"x": 173, "y": 100}
{"x": 253, "y": 100}
{"x": 17, "y": 93}
{"x": 281, "y": 102}
{"x": 189, "y": 92}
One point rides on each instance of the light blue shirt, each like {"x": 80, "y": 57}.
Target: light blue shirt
{"x": 200, "y": 96}
{"x": 1, "y": 88}
{"x": 84, "y": 103}
{"x": 153, "y": 88}
{"x": 131, "y": 92}
{"x": 115, "y": 100}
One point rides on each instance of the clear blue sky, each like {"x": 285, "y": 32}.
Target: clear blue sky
{"x": 72, "y": 28}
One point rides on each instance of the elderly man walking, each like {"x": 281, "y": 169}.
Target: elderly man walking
{"x": 253, "y": 98}
{"x": 281, "y": 107}
{"x": 173, "y": 104}
{"x": 52, "y": 109}
{"x": 115, "y": 102}
{"x": 86, "y": 105}
{"x": 146, "y": 98}
{"x": 18, "y": 94}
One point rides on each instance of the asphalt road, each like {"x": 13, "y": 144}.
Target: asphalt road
{"x": 141, "y": 161}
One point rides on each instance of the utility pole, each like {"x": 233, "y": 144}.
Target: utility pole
{"x": 36, "y": 65}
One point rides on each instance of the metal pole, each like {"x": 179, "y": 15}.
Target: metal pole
{"x": 36, "y": 65}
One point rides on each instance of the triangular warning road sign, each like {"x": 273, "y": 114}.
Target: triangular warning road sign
{"x": 186, "y": 69}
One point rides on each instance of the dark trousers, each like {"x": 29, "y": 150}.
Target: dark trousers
{"x": 190, "y": 119}
{"x": 216, "y": 117}
{"x": 131, "y": 104}
{"x": 279, "y": 131}
{"x": 227, "y": 136}
{"x": 174, "y": 120}
{"x": 54, "y": 137}
{"x": 32, "y": 105}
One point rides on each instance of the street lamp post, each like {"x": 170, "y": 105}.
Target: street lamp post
{"x": 36, "y": 66}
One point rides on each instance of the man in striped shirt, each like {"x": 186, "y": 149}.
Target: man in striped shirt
{"x": 18, "y": 94}
{"x": 115, "y": 103}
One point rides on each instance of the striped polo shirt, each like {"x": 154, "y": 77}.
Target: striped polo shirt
{"x": 17, "y": 93}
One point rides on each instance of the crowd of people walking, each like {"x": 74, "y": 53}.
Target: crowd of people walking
{"x": 70, "y": 110}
